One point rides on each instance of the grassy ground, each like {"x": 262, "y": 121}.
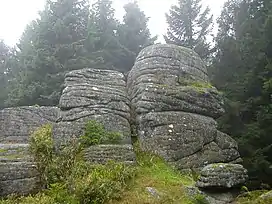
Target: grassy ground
{"x": 253, "y": 197}
{"x": 155, "y": 173}
{"x": 150, "y": 171}
{"x": 69, "y": 179}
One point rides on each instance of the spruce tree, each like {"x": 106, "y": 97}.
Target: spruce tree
{"x": 244, "y": 72}
{"x": 105, "y": 43}
{"x": 4, "y": 71}
{"x": 51, "y": 46}
{"x": 133, "y": 34}
{"x": 189, "y": 26}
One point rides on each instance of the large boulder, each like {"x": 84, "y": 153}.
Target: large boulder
{"x": 222, "y": 175}
{"x": 174, "y": 108}
{"x": 172, "y": 78}
{"x": 18, "y": 174}
{"x": 16, "y": 124}
{"x": 100, "y": 95}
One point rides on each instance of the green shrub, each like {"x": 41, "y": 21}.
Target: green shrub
{"x": 59, "y": 193}
{"x": 52, "y": 166}
{"x": 105, "y": 182}
{"x": 41, "y": 147}
{"x": 39, "y": 198}
{"x": 95, "y": 134}
{"x": 67, "y": 177}
{"x": 200, "y": 199}
{"x": 253, "y": 197}
{"x": 65, "y": 161}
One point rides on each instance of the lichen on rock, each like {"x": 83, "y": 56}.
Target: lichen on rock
{"x": 169, "y": 85}
{"x": 222, "y": 175}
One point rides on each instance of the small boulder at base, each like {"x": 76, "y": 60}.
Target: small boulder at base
{"x": 222, "y": 175}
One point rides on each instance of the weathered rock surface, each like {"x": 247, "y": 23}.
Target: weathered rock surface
{"x": 104, "y": 153}
{"x": 100, "y": 95}
{"x": 92, "y": 94}
{"x": 16, "y": 124}
{"x": 212, "y": 197}
{"x": 222, "y": 175}
{"x": 172, "y": 78}
{"x": 174, "y": 107}
{"x": 18, "y": 173}
{"x": 167, "y": 100}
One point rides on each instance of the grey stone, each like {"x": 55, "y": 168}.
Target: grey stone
{"x": 18, "y": 173}
{"x": 175, "y": 135}
{"x": 224, "y": 141}
{"x": 100, "y": 95}
{"x": 174, "y": 108}
{"x": 221, "y": 197}
{"x": 158, "y": 97}
{"x": 211, "y": 197}
{"x": 19, "y": 187}
{"x": 104, "y": 153}
{"x": 160, "y": 85}
{"x": 16, "y": 124}
{"x": 92, "y": 94}
{"x": 210, "y": 153}
{"x": 177, "y": 58}
{"x": 14, "y": 152}
{"x": 222, "y": 175}
{"x": 167, "y": 100}
{"x": 187, "y": 140}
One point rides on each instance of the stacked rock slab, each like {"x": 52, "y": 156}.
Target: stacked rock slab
{"x": 220, "y": 183}
{"x": 174, "y": 107}
{"x": 100, "y": 95}
{"x": 18, "y": 174}
{"x": 221, "y": 175}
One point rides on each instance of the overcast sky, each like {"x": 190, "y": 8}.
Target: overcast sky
{"x": 16, "y": 14}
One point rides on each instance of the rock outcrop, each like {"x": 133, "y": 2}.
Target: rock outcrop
{"x": 220, "y": 183}
{"x": 167, "y": 102}
{"x": 100, "y": 95}
{"x": 16, "y": 124}
{"x": 175, "y": 106}
{"x": 222, "y": 175}
{"x": 18, "y": 174}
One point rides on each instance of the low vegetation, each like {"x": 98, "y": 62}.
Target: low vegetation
{"x": 153, "y": 172}
{"x": 254, "y": 197}
{"x": 95, "y": 133}
{"x": 65, "y": 177}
